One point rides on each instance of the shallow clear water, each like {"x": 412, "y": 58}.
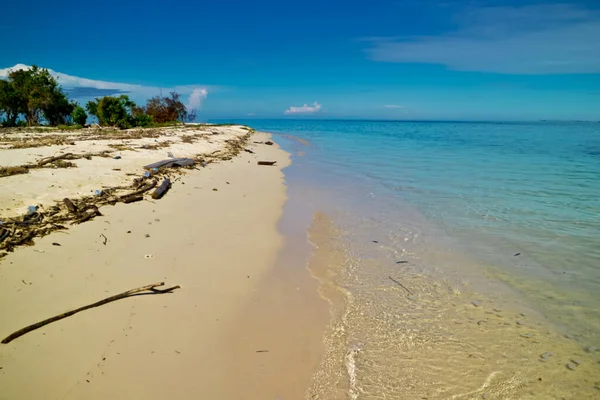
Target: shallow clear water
{"x": 458, "y": 201}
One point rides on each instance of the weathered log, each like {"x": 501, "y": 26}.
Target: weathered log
{"x": 120, "y": 296}
{"x": 132, "y": 199}
{"x": 249, "y": 151}
{"x": 267, "y": 162}
{"x": 269, "y": 143}
{"x": 162, "y": 189}
{"x": 52, "y": 159}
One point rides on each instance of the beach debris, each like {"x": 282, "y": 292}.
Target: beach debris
{"x": 56, "y": 244}
{"x": 116, "y": 157}
{"x": 142, "y": 188}
{"x": 98, "y": 192}
{"x": 571, "y": 366}
{"x": 266, "y": 162}
{"x": 146, "y": 235}
{"x": 402, "y": 262}
{"x": 147, "y": 256}
{"x": 401, "y": 285}
{"x": 215, "y": 190}
{"x": 171, "y": 162}
{"x": 262, "y": 351}
{"x": 132, "y": 199}
{"x": 576, "y": 362}
{"x": 169, "y": 154}
{"x": 4, "y": 233}
{"x": 31, "y": 209}
{"x": 375, "y": 241}
{"x": 162, "y": 189}
{"x": 476, "y": 303}
{"x": 269, "y": 143}
{"x": 105, "y": 239}
{"x": 545, "y": 356}
{"x": 9, "y": 171}
{"x": 87, "y": 213}
{"x": 248, "y": 151}
{"x": 517, "y": 254}
{"x": 151, "y": 288}
{"x": 70, "y": 206}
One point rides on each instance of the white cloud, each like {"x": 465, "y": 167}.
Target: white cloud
{"x": 251, "y": 114}
{"x": 89, "y": 88}
{"x": 196, "y": 98}
{"x": 534, "y": 39}
{"x": 305, "y": 109}
{"x": 393, "y": 106}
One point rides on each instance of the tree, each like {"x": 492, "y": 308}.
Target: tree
{"x": 79, "y": 116}
{"x": 11, "y": 105}
{"x": 113, "y": 111}
{"x": 166, "y": 109}
{"x": 38, "y": 94}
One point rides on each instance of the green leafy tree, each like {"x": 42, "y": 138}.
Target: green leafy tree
{"x": 11, "y": 104}
{"x": 38, "y": 94}
{"x": 113, "y": 111}
{"x": 79, "y": 115}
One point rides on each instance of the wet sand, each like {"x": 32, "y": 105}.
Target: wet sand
{"x": 215, "y": 234}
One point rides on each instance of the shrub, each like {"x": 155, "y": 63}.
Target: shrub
{"x": 79, "y": 115}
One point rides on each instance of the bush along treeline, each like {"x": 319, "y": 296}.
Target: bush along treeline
{"x": 29, "y": 97}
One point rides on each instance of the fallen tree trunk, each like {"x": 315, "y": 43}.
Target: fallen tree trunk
{"x": 120, "y": 296}
{"x": 162, "y": 189}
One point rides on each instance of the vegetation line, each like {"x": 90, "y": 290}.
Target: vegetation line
{"x": 33, "y": 97}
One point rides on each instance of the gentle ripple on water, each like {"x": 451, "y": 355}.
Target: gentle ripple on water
{"x": 459, "y": 200}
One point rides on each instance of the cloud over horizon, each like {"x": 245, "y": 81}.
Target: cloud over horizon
{"x": 531, "y": 39}
{"x": 83, "y": 88}
{"x": 305, "y": 109}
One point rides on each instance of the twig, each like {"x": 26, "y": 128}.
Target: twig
{"x": 105, "y": 239}
{"x": 120, "y": 296}
{"x": 401, "y": 285}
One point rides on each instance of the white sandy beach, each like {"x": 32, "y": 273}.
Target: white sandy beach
{"x": 217, "y": 244}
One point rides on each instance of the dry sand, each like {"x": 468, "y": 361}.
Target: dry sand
{"x": 220, "y": 246}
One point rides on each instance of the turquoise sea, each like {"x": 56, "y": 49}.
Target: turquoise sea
{"x": 510, "y": 211}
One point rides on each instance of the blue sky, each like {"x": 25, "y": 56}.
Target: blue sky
{"x": 479, "y": 59}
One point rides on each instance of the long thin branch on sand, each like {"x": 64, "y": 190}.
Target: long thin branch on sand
{"x": 120, "y": 296}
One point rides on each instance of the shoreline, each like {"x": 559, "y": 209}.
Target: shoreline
{"x": 223, "y": 253}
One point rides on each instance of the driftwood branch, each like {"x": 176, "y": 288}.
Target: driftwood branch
{"x": 141, "y": 190}
{"x": 401, "y": 285}
{"x": 120, "y": 296}
{"x": 162, "y": 189}
{"x": 266, "y": 162}
{"x": 57, "y": 158}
